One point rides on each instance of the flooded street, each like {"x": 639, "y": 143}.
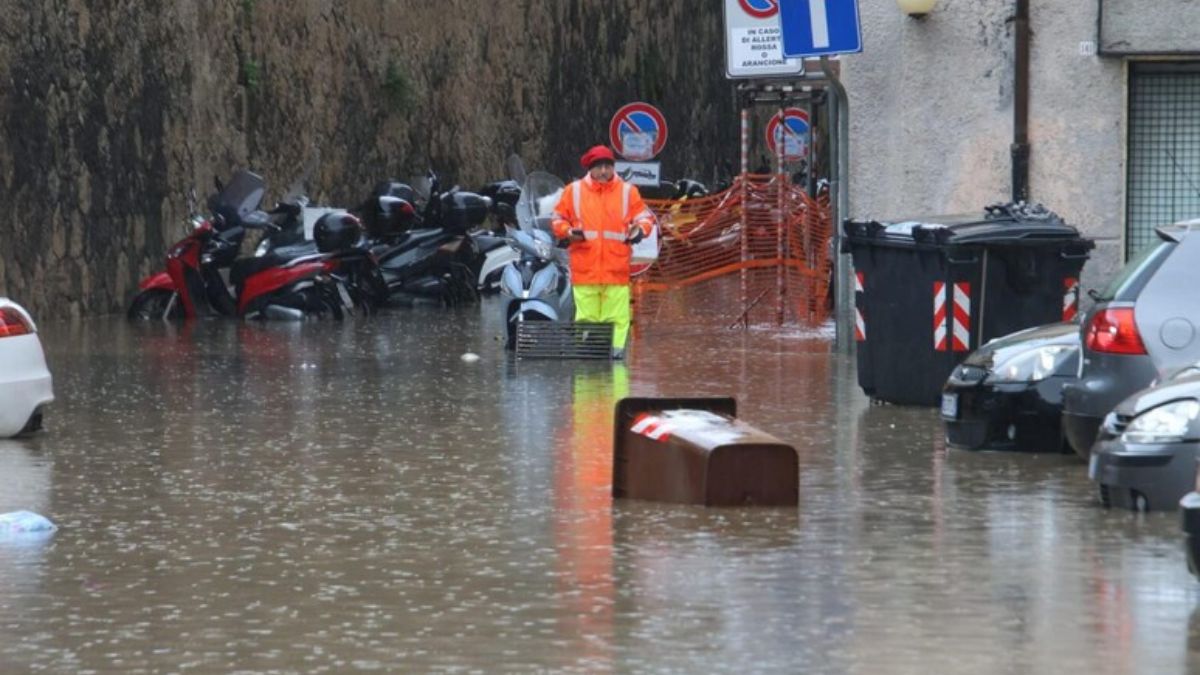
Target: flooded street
{"x": 329, "y": 498}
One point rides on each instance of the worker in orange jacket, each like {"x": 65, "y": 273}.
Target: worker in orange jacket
{"x": 602, "y": 216}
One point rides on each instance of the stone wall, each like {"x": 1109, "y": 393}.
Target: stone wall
{"x": 113, "y": 110}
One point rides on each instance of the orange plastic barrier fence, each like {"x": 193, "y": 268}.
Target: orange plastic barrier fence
{"x": 711, "y": 268}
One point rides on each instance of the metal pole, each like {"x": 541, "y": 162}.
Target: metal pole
{"x": 1020, "y": 144}
{"x": 780, "y": 205}
{"x": 982, "y": 303}
{"x": 743, "y": 225}
{"x": 839, "y": 188}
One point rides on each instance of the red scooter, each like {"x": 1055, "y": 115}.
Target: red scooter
{"x": 263, "y": 287}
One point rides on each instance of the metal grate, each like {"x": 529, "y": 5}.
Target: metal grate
{"x": 1164, "y": 149}
{"x": 564, "y": 340}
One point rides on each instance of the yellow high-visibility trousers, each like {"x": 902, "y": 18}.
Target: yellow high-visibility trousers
{"x": 605, "y": 303}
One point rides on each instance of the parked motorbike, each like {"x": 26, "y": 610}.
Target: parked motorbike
{"x": 341, "y": 277}
{"x": 192, "y": 284}
{"x": 491, "y": 242}
{"x": 538, "y": 283}
{"x": 333, "y": 280}
{"x": 428, "y": 256}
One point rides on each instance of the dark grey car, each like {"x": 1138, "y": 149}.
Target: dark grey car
{"x": 1142, "y": 325}
{"x": 1145, "y": 458}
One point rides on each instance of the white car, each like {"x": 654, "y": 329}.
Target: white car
{"x": 25, "y": 384}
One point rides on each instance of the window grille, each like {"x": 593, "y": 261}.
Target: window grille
{"x": 1164, "y": 149}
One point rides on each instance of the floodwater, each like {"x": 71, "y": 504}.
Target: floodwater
{"x": 334, "y": 498}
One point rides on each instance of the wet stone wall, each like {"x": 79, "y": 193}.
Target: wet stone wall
{"x": 113, "y": 110}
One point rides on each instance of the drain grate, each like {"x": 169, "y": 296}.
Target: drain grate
{"x": 563, "y": 340}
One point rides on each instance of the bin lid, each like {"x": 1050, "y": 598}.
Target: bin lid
{"x": 998, "y": 224}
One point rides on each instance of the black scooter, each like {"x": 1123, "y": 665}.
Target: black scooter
{"x": 426, "y": 256}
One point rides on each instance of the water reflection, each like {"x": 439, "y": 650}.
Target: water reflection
{"x": 324, "y": 498}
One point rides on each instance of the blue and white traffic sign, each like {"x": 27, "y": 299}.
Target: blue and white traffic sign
{"x": 638, "y": 131}
{"x": 789, "y": 127}
{"x": 820, "y": 27}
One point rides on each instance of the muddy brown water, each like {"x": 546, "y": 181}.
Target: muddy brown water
{"x": 334, "y": 498}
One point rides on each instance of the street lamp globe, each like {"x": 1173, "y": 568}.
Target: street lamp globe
{"x": 916, "y": 9}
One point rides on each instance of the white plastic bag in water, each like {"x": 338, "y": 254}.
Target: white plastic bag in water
{"x": 21, "y": 522}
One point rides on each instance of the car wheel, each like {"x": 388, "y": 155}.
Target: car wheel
{"x": 34, "y": 423}
{"x": 155, "y": 304}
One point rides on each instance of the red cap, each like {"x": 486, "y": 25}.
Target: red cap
{"x": 596, "y": 154}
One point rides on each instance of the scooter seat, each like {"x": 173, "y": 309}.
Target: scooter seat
{"x": 298, "y": 250}
{"x": 487, "y": 242}
{"x": 244, "y": 268}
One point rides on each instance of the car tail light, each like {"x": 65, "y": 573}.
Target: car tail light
{"x": 1113, "y": 331}
{"x": 13, "y": 323}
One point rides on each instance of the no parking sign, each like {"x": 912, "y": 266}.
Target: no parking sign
{"x": 638, "y": 131}
{"x": 760, "y": 9}
{"x": 789, "y": 126}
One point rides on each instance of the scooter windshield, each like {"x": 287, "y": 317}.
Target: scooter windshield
{"x": 539, "y": 196}
{"x": 243, "y": 192}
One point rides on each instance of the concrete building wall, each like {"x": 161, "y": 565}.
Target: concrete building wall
{"x": 1149, "y": 26}
{"x": 931, "y": 116}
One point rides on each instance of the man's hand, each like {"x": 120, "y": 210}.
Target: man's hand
{"x": 634, "y": 233}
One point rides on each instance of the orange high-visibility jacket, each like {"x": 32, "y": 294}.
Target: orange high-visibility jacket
{"x": 603, "y": 211}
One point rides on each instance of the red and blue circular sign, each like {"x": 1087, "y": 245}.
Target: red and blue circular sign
{"x": 638, "y": 131}
{"x": 760, "y": 9}
{"x": 792, "y": 130}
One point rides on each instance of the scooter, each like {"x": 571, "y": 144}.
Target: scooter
{"x": 434, "y": 259}
{"x": 192, "y": 284}
{"x": 329, "y": 282}
{"x": 538, "y": 283}
{"x": 341, "y": 277}
{"x": 492, "y": 243}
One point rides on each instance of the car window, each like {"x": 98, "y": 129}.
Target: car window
{"x": 1132, "y": 278}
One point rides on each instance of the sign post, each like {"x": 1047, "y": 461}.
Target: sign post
{"x": 822, "y": 28}
{"x": 753, "y": 44}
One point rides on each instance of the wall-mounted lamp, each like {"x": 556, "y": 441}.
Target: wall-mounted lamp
{"x": 916, "y": 9}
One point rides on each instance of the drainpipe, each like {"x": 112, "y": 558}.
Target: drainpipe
{"x": 1020, "y": 145}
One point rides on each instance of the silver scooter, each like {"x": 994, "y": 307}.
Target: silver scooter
{"x": 538, "y": 283}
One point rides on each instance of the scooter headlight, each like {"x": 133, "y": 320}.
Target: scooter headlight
{"x": 263, "y": 247}
{"x": 1167, "y": 423}
{"x": 1034, "y": 365}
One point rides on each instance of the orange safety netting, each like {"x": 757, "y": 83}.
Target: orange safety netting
{"x": 712, "y": 269}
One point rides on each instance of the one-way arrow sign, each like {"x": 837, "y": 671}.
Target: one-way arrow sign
{"x": 819, "y": 27}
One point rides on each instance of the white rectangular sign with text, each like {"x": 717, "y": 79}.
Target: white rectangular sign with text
{"x": 754, "y": 41}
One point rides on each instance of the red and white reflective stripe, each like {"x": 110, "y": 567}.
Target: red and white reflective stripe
{"x": 1070, "y": 298}
{"x": 939, "y": 316}
{"x": 860, "y": 324}
{"x": 960, "y": 336}
{"x": 652, "y": 427}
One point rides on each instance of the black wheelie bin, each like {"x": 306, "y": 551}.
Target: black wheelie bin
{"x": 929, "y": 290}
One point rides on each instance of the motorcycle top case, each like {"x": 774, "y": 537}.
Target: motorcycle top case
{"x": 462, "y": 211}
{"x": 929, "y": 290}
